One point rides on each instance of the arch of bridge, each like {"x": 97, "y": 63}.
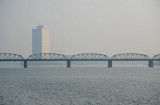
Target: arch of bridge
{"x": 130, "y": 56}
{"x": 47, "y": 56}
{"x": 89, "y": 56}
{"x": 10, "y": 56}
{"x": 156, "y": 56}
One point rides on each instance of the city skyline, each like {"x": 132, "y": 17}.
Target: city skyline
{"x": 87, "y": 26}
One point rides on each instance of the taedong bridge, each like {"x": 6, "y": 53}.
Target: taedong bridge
{"x": 80, "y": 57}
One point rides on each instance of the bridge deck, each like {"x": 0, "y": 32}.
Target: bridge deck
{"x": 79, "y": 59}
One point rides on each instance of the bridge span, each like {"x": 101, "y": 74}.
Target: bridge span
{"x": 81, "y": 57}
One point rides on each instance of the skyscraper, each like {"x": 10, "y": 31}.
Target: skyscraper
{"x": 40, "y": 40}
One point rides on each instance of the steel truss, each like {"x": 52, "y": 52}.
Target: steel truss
{"x": 89, "y": 56}
{"x": 10, "y": 56}
{"x": 130, "y": 56}
{"x": 47, "y": 56}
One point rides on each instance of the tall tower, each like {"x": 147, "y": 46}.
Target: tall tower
{"x": 40, "y": 40}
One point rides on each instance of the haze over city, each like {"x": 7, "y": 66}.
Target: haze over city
{"x": 82, "y": 26}
{"x": 79, "y": 52}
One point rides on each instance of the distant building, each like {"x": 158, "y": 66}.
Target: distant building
{"x": 40, "y": 40}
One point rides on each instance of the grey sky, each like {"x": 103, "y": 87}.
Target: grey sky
{"x": 82, "y": 26}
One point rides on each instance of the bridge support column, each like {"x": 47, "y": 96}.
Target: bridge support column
{"x": 150, "y": 63}
{"x": 109, "y": 63}
{"x": 68, "y": 64}
{"x": 25, "y": 63}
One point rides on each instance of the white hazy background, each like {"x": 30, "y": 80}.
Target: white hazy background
{"x": 82, "y": 26}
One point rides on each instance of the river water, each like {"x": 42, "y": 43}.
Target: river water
{"x": 80, "y": 86}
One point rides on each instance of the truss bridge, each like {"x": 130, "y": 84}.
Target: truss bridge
{"x": 81, "y": 57}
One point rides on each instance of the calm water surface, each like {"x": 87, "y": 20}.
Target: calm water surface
{"x": 80, "y": 86}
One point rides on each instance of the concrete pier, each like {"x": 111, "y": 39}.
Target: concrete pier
{"x": 25, "y": 63}
{"x": 150, "y": 63}
{"x": 68, "y": 64}
{"x": 109, "y": 63}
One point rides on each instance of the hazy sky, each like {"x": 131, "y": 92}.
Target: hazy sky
{"x": 82, "y": 26}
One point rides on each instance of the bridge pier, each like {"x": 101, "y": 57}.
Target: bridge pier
{"x": 68, "y": 64}
{"x": 109, "y": 63}
{"x": 25, "y": 63}
{"x": 150, "y": 63}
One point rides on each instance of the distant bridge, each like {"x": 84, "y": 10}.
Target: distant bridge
{"x": 80, "y": 57}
